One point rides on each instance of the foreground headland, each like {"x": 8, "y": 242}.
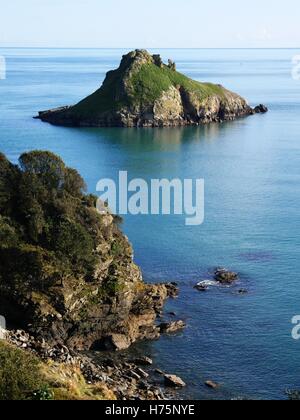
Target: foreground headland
{"x": 68, "y": 282}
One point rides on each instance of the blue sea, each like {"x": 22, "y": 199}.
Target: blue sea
{"x": 252, "y": 199}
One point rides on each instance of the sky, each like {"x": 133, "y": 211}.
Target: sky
{"x": 150, "y": 23}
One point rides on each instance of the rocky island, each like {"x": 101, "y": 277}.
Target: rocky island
{"x": 145, "y": 92}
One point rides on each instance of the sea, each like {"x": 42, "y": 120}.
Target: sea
{"x": 251, "y": 170}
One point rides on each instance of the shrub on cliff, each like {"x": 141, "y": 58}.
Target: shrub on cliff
{"x": 48, "y": 225}
{"x": 66, "y": 272}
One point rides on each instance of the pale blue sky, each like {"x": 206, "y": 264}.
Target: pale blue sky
{"x": 150, "y": 23}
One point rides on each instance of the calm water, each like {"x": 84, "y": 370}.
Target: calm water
{"x": 251, "y": 170}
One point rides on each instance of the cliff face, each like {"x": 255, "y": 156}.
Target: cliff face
{"x": 66, "y": 273}
{"x": 144, "y": 92}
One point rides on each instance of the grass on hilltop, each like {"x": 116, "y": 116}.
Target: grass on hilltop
{"x": 149, "y": 83}
{"x": 144, "y": 87}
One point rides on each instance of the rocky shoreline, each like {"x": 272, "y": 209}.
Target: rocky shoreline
{"x": 126, "y": 377}
{"x": 216, "y": 113}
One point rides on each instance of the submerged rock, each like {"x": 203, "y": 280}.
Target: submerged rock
{"x": 212, "y": 385}
{"x": 242, "y": 292}
{"x": 145, "y": 92}
{"x": 201, "y": 287}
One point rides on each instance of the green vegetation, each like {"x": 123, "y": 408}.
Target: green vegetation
{"x": 104, "y": 99}
{"x": 20, "y": 375}
{"x": 111, "y": 288}
{"x": 24, "y": 377}
{"x": 145, "y": 92}
{"x": 149, "y": 83}
{"x": 49, "y": 228}
{"x": 144, "y": 84}
{"x": 66, "y": 383}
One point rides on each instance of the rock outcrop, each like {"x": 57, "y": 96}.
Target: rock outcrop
{"x": 172, "y": 327}
{"x": 144, "y": 92}
{"x": 67, "y": 274}
{"x": 224, "y": 276}
{"x": 174, "y": 381}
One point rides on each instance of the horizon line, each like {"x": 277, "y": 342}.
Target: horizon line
{"x": 145, "y": 48}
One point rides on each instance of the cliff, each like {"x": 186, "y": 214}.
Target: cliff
{"x": 144, "y": 92}
{"x": 67, "y": 274}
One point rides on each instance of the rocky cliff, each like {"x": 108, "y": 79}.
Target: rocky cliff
{"x": 145, "y": 92}
{"x": 67, "y": 274}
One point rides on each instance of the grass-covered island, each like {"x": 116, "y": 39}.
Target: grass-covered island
{"x": 68, "y": 283}
{"x": 145, "y": 92}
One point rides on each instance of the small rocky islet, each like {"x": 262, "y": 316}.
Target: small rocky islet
{"x": 145, "y": 92}
{"x": 221, "y": 277}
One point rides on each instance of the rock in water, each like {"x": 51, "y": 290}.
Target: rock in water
{"x": 67, "y": 274}
{"x": 144, "y": 361}
{"x": 224, "y": 276}
{"x": 174, "y": 381}
{"x": 242, "y": 292}
{"x": 171, "y": 327}
{"x": 173, "y": 290}
{"x": 201, "y": 287}
{"x": 261, "y": 109}
{"x": 212, "y": 385}
{"x": 144, "y": 92}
